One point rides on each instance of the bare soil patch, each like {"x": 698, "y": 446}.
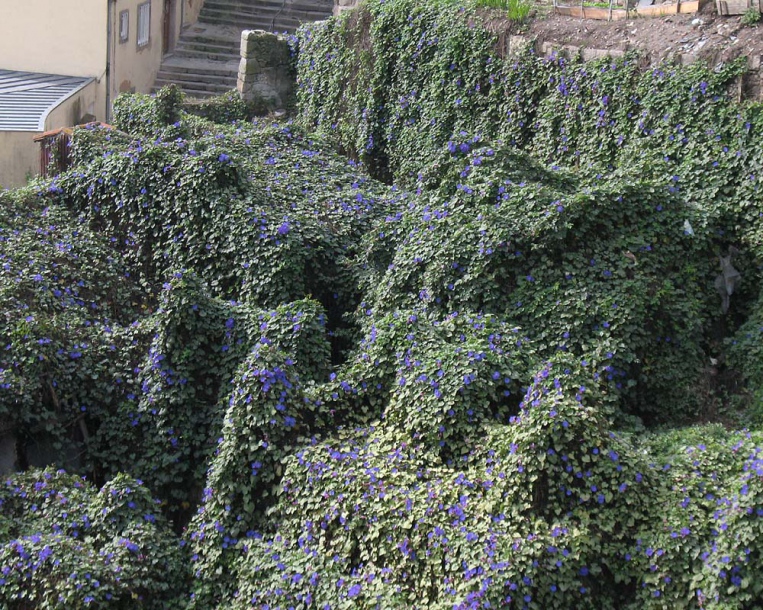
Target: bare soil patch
{"x": 706, "y": 35}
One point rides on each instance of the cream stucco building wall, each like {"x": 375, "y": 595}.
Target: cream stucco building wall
{"x": 20, "y": 158}
{"x": 82, "y": 38}
{"x": 73, "y": 110}
{"x": 71, "y": 37}
{"x": 134, "y": 68}
{"x": 54, "y": 36}
{"x": 191, "y": 10}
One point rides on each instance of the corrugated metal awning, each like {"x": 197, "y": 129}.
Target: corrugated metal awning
{"x": 26, "y": 98}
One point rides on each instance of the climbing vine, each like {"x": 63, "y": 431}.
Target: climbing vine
{"x": 502, "y": 351}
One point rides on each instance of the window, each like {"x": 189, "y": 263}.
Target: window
{"x": 144, "y": 23}
{"x": 124, "y": 26}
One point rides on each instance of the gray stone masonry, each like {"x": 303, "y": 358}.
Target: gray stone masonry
{"x": 205, "y": 61}
{"x": 748, "y": 86}
{"x": 264, "y": 72}
{"x": 343, "y": 5}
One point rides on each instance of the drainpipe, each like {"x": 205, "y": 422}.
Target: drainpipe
{"x": 111, "y": 6}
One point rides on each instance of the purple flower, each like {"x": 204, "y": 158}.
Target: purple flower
{"x": 354, "y": 591}
{"x": 45, "y": 553}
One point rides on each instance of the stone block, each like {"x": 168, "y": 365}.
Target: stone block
{"x": 265, "y": 47}
{"x": 516, "y": 45}
{"x": 686, "y": 59}
{"x": 344, "y": 5}
{"x": 265, "y": 72}
{"x": 591, "y": 54}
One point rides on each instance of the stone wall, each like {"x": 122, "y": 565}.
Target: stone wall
{"x": 343, "y": 5}
{"x": 265, "y": 70}
{"x": 747, "y": 87}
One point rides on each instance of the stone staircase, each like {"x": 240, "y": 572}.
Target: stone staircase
{"x": 269, "y": 15}
{"x": 205, "y": 60}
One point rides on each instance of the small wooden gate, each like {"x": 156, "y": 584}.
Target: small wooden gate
{"x": 736, "y": 7}
{"x": 54, "y": 151}
{"x": 55, "y": 148}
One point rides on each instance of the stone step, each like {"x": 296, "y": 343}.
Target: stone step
{"x": 245, "y": 20}
{"x": 306, "y": 13}
{"x": 206, "y": 58}
{"x": 254, "y": 6}
{"x": 263, "y": 14}
{"x": 228, "y": 81}
{"x": 244, "y": 14}
{"x": 223, "y": 47}
{"x": 204, "y": 68}
{"x": 195, "y": 82}
{"x": 192, "y": 93}
{"x": 194, "y": 90}
{"x": 202, "y": 32}
{"x": 190, "y": 54}
{"x": 281, "y": 24}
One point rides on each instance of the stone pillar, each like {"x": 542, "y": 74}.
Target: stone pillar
{"x": 754, "y": 81}
{"x": 344, "y": 5}
{"x": 265, "y": 70}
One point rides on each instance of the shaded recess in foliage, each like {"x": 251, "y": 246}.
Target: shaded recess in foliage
{"x": 66, "y": 297}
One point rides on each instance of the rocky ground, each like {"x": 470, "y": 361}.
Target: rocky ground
{"x": 705, "y": 34}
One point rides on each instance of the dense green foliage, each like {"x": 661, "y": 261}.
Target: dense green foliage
{"x": 505, "y": 381}
{"x": 427, "y": 101}
{"x": 66, "y": 545}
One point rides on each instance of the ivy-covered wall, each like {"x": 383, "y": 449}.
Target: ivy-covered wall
{"x": 523, "y": 373}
